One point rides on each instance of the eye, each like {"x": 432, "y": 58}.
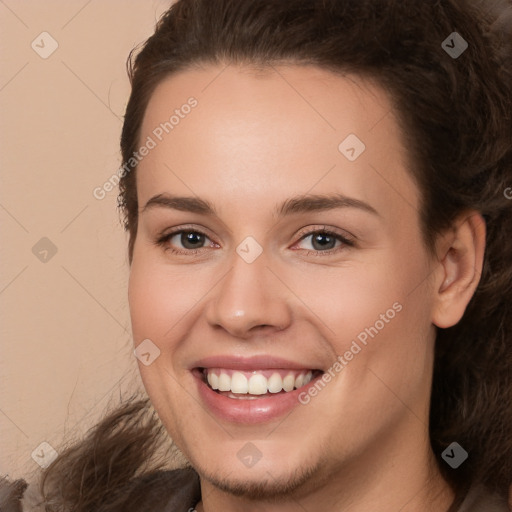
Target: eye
{"x": 184, "y": 241}
{"x": 324, "y": 241}
{"x": 191, "y": 241}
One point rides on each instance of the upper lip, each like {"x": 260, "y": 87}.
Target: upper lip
{"x": 260, "y": 362}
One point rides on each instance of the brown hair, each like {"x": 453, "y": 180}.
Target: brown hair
{"x": 455, "y": 115}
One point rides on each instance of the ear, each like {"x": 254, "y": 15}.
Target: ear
{"x": 460, "y": 253}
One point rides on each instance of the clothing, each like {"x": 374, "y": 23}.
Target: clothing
{"x": 480, "y": 500}
{"x": 179, "y": 491}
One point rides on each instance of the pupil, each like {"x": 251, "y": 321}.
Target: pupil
{"x": 191, "y": 239}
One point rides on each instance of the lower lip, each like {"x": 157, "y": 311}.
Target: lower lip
{"x": 249, "y": 411}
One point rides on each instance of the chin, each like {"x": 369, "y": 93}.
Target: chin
{"x": 272, "y": 483}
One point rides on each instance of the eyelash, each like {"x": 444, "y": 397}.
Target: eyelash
{"x": 163, "y": 240}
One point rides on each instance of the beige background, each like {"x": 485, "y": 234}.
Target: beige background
{"x": 65, "y": 334}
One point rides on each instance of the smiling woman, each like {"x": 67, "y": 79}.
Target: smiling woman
{"x": 343, "y": 160}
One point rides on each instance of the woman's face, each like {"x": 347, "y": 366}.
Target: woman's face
{"x": 279, "y": 235}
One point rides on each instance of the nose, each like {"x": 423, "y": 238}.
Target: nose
{"x": 249, "y": 300}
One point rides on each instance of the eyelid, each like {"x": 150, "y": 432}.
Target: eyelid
{"x": 346, "y": 239}
{"x": 322, "y": 228}
{"x": 193, "y": 228}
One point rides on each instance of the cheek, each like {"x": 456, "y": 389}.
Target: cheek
{"x": 158, "y": 301}
{"x": 383, "y": 330}
{"x": 159, "y": 298}
{"x": 349, "y": 299}
{"x": 377, "y": 313}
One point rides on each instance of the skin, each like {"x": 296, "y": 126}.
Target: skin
{"x": 256, "y": 139}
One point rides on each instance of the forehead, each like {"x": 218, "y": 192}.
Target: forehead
{"x": 272, "y": 99}
{"x": 285, "y": 129}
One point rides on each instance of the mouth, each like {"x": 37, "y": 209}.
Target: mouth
{"x": 256, "y": 384}
{"x": 249, "y": 396}
{"x": 252, "y": 390}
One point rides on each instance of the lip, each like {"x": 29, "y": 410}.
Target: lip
{"x": 255, "y": 411}
{"x": 260, "y": 362}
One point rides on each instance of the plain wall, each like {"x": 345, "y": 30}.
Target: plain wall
{"x": 66, "y": 347}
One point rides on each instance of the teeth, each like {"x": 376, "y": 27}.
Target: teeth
{"x": 224, "y": 382}
{"x": 213, "y": 380}
{"x": 289, "y": 382}
{"x": 239, "y": 383}
{"x": 256, "y": 383}
{"x": 275, "y": 383}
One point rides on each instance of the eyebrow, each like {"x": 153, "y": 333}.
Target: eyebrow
{"x": 294, "y": 205}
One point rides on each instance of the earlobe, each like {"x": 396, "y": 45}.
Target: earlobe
{"x": 461, "y": 262}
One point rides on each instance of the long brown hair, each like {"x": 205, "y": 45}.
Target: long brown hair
{"x": 455, "y": 115}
